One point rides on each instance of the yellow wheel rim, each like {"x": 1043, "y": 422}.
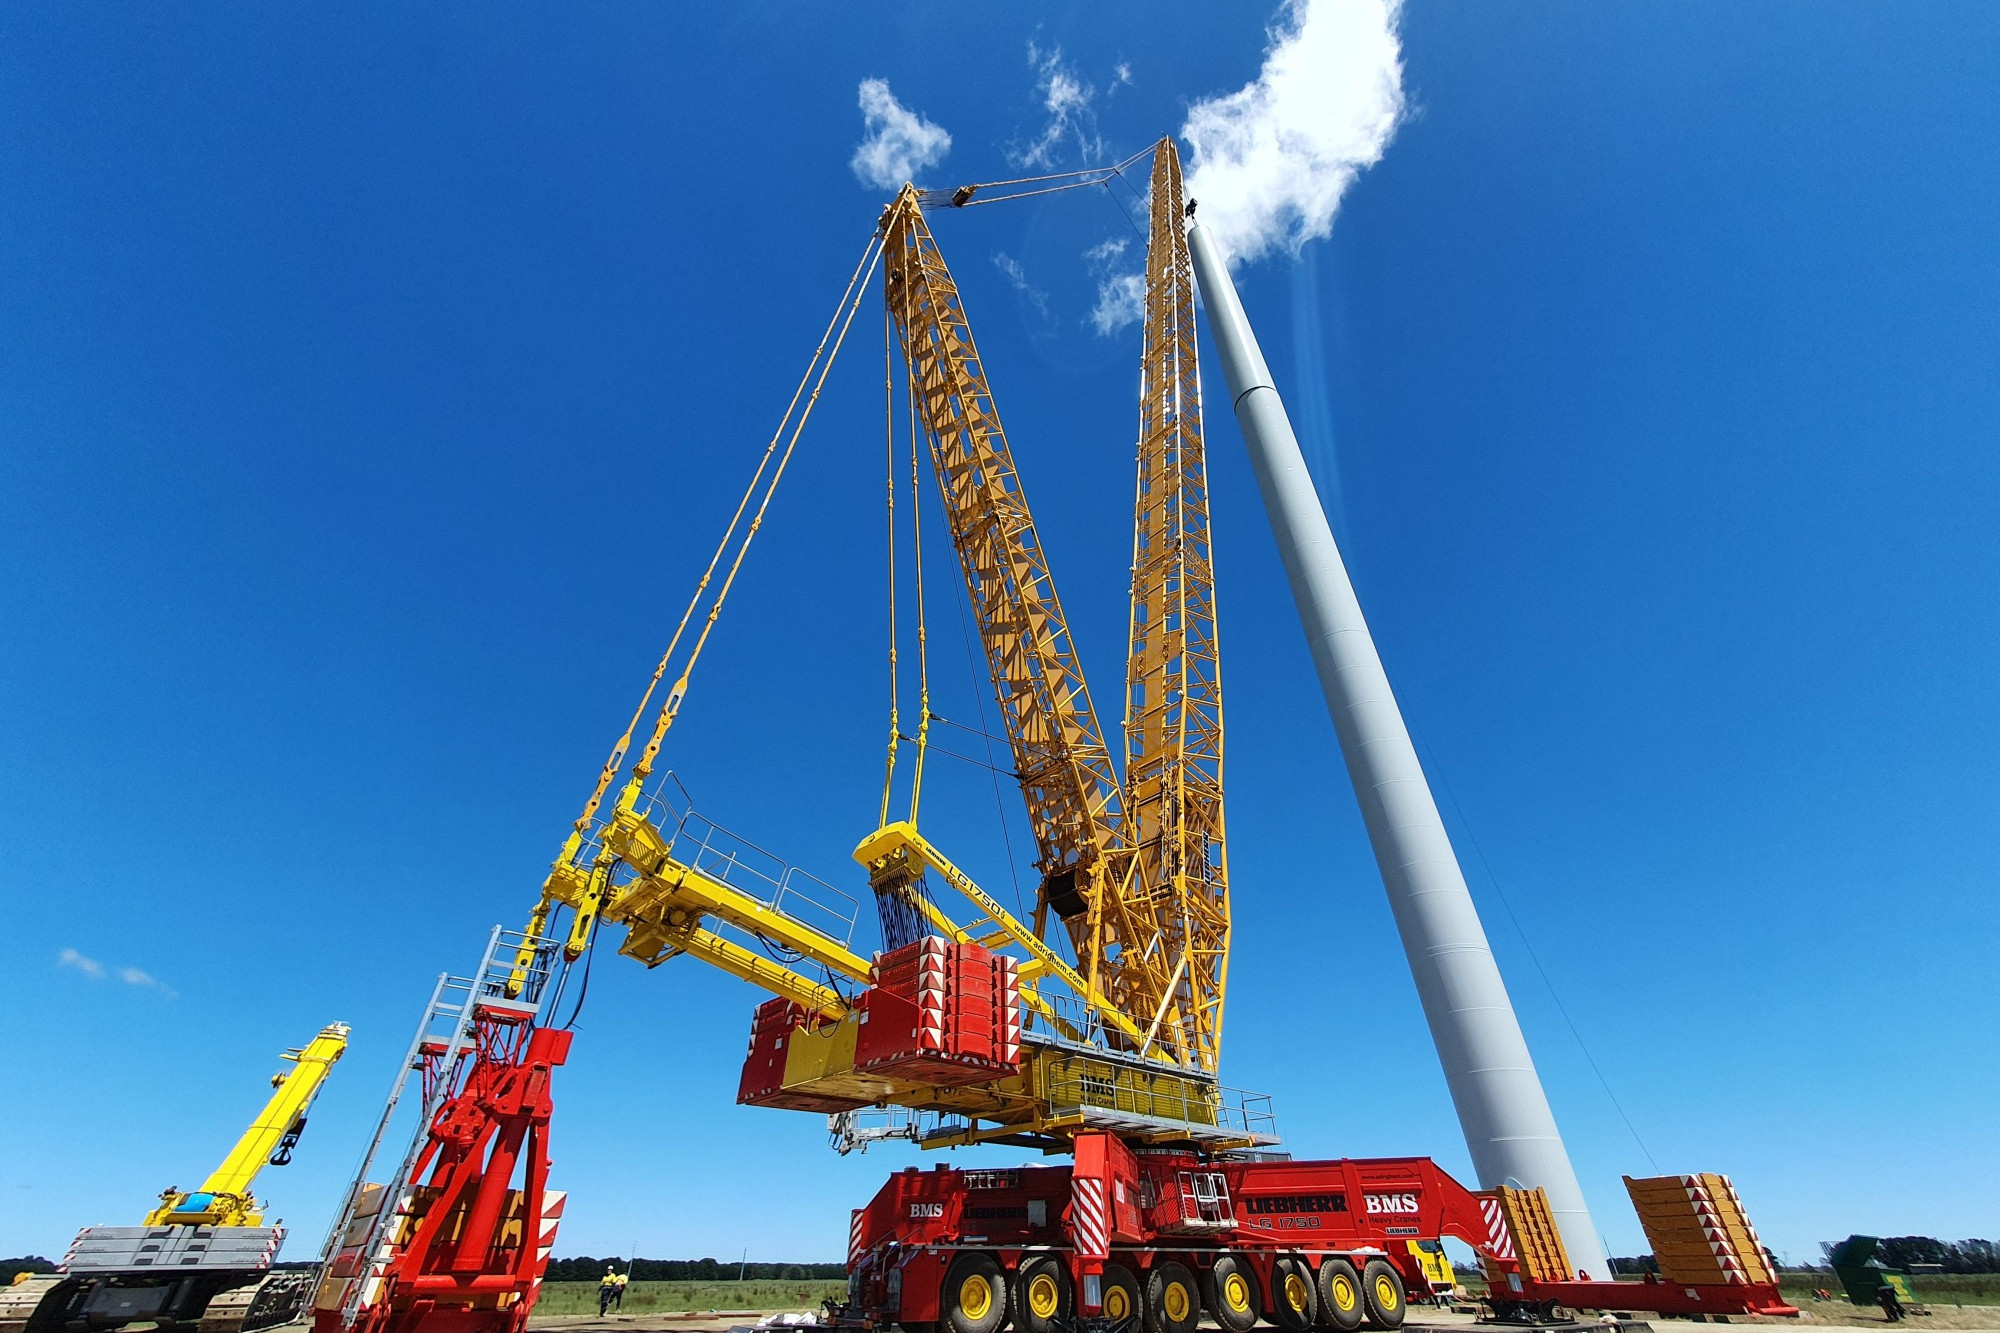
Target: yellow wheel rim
{"x": 1117, "y": 1303}
{"x": 1044, "y": 1296}
{"x": 1236, "y": 1293}
{"x": 1296, "y": 1294}
{"x": 1385, "y": 1292}
{"x": 1345, "y": 1297}
{"x": 1174, "y": 1300}
{"x": 975, "y": 1296}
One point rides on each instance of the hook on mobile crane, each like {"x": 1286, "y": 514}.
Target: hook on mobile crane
{"x": 202, "y": 1259}
{"x": 1091, "y": 1028}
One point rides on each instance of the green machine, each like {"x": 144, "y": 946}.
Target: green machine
{"x": 1863, "y": 1275}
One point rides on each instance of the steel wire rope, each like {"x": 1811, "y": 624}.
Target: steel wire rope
{"x": 889, "y": 478}
{"x": 979, "y": 701}
{"x": 620, "y": 749}
{"x": 917, "y": 566}
{"x": 871, "y": 256}
{"x": 962, "y": 196}
{"x": 1472, "y": 837}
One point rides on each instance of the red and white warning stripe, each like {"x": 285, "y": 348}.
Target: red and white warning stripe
{"x": 1499, "y": 1238}
{"x": 854, "y": 1236}
{"x": 1087, "y": 1218}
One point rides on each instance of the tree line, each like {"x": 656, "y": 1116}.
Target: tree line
{"x": 586, "y": 1269}
{"x": 1964, "y": 1256}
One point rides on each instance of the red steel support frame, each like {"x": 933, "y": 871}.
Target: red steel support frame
{"x": 461, "y": 1271}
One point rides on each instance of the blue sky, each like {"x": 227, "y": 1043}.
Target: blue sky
{"x": 373, "y": 381}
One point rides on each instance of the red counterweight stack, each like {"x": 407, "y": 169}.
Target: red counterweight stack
{"x": 940, "y": 1012}
{"x": 764, "y": 1065}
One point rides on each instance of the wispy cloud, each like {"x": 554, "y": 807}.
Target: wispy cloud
{"x": 1017, "y": 278}
{"x": 1272, "y": 159}
{"x": 1067, "y": 100}
{"x": 90, "y": 967}
{"x": 96, "y": 971}
{"x": 1121, "y": 296}
{"x": 133, "y": 976}
{"x": 897, "y": 142}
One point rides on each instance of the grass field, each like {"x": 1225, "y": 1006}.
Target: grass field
{"x": 676, "y": 1297}
{"x": 1968, "y": 1289}
{"x": 1939, "y": 1289}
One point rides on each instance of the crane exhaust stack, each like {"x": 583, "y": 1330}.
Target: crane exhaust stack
{"x": 1501, "y": 1105}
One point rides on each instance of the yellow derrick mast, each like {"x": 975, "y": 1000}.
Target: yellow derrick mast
{"x": 1173, "y": 671}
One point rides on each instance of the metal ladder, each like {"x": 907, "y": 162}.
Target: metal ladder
{"x": 447, "y": 1028}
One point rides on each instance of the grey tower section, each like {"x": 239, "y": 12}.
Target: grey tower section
{"x": 1501, "y": 1105}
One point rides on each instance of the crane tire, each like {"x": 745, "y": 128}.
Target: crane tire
{"x": 974, "y": 1298}
{"x": 1123, "y": 1302}
{"x": 1382, "y": 1292}
{"x": 1341, "y": 1306}
{"x": 1232, "y": 1296}
{"x": 1173, "y": 1301}
{"x": 1042, "y": 1295}
{"x": 1294, "y": 1303}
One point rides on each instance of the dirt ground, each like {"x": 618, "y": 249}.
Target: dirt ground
{"x": 1840, "y": 1318}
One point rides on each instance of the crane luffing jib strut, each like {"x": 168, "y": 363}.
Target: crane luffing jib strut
{"x": 224, "y": 1199}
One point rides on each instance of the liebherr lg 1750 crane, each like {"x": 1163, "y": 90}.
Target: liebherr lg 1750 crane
{"x": 1093, "y": 1027}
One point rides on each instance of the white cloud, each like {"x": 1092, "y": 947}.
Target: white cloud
{"x": 1121, "y": 300}
{"x": 1121, "y": 297}
{"x": 1272, "y": 159}
{"x": 898, "y": 142}
{"x": 1121, "y": 73}
{"x": 1066, "y": 98}
{"x": 1105, "y": 251}
{"x": 1017, "y": 278}
{"x": 132, "y": 976}
{"x": 90, "y": 967}
{"x": 96, "y": 971}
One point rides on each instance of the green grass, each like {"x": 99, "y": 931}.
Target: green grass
{"x": 1931, "y": 1289}
{"x": 560, "y": 1298}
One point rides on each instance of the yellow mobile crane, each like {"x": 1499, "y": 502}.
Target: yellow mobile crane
{"x": 202, "y": 1259}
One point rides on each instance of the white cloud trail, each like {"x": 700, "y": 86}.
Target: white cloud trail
{"x": 1272, "y": 159}
{"x": 897, "y": 142}
{"x": 1121, "y": 297}
{"x": 90, "y": 967}
{"x": 1067, "y": 99}
{"x": 96, "y": 971}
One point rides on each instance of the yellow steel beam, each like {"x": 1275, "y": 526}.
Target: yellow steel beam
{"x": 891, "y": 839}
{"x": 224, "y": 1199}
{"x": 667, "y": 888}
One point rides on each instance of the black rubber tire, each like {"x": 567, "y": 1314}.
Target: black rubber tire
{"x": 1294, "y": 1303}
{"x": 985, "y": 1313}
{"x": 1382, "y": 1292}
{"x": 1119, "y": 1286}
{"x": 1033, "y": 1283}
{"x": 1173, "y": 1299}
{"x": 1341, "y": 1308}
{"x": 1232, "y": 1295}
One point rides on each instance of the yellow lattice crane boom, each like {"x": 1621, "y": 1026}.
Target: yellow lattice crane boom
{"x": 1173, "y": 672}
{"x": 1059, "y": 753}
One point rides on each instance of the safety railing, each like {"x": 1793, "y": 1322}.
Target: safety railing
{"x": 699, "y": 842}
